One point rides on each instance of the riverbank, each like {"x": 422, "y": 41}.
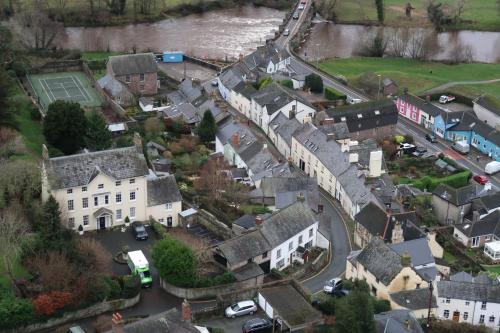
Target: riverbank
{"x": 417, "y": 76}
{"x": 477, "y": 14}
{"x": 78, "y": 13}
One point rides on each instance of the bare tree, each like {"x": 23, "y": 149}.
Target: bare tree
{"x": 97, "y": 259}
{"x": 212, "y": 179}
{"x": 55, "y": 270}
{"x": 398, "y": 41}
{"x": 13, "y": 230}
{"x": 459, "y": 9}
{"x": 34, "y": 29}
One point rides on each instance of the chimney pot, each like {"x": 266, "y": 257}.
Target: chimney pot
{"x": 235, "y": 139}
{"x": 137, "y": 141}
{"x": 475, "y": 216}
{"x": 117, "y": 323}
{"x": 427, "y": 99}
{"x": 186, "y": 311}
{"x": 258, "y": 220}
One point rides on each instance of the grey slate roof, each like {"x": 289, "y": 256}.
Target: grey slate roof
{"x": 285, "y": 127}
{"x": 396, "y": 321}
{"x": 415, "y": 299}
{"x": 230, "y": 79}
{"x": 163, "y": 190}
{"x": 363, "y": 116}
{"x": 487, "y": 202}
{"x": 274, "y": 230}
{"x": 261, "y": 57}
{"x": 133, "y": 63}
{"x": 189, "y": 90}
{"x": 462, "y": 277}
{"x": 248, "y": 271}
{"x": 336, "y": 131}
{"x": 246, "y": 221}
{"x": 275, "y": 96}
{"x": 469, "y": 291}
{"x": 418, "y": 250}
{"x": 487, "y": 225}
{"x": 457, "y": 197}
{"x": 112, "y": 86}
{"x": 81, "y": 169}
{"x": 286, "y": 189}
{"x": 186, "y": 111}
{"x": 422, "y": 104}
{"x": 488, "y": 103}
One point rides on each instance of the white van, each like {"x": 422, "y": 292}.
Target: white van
{"x": 461, "y": 146}
{"x": 492, "y": 168}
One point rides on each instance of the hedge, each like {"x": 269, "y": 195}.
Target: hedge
{"x": 430, "y": 183}
{"x": 287, "y": 83}
{"x": 333, "y": 95}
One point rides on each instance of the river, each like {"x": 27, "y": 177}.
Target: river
{"x": 215, "y": 34}
{"x": 329, "y": 40}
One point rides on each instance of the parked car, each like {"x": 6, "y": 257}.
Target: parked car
{"x": 214, "y": 83}
{"x": 76, "y": 329}
{"x": 301, "y": 7}
{"x": 461, "y": 147}
{"x": 257, "y": 325}
{"x": 341, "y": 293}
{"x": 241, "y": 308}
{"x": 139, "y": 231}
{"x": 352, "y": 100}
{"x": 446, "y": 99}
{"x": 419, "y": 152}
{"x": 286, "y": 32}
{"x": 492, "y": 168}
{"x": 332, "y": 285}
{"x": 481, "y": 179}
{"x": 431, "y": 138}
{"x": 295, "y": 16}
{"x": 303, "y": 2}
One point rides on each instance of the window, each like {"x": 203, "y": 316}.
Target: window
{"x": 447, "y": 301}
{"x": 264, "y": 255}
{"x": 168, "y": 206}
{"x": 127, "y": 78}
{"x": 278, "y": 253}
{"x": 169, "y": 221}
{"x": 418, "y": 286}
{"x": 71, "y": 206}
{"x": 132, "y": 195}
{"x": 85, "y": 202}
{"x": 374, "y": 291}
{"x": 70, "y": 191}
{"x": 311, "y": 232}
{"x": 100, "y": 186}
{"x": 467, "y": 303}
{"x": 84, "y": 189}
{"x": 483, "y": 306}
{"x": 492, "y": 319}
{"x": 85, "y": 220}
{"x": 118, "y": 214}
{"x": 132, "y": 212}
{"x": 132, "y": 181}
{"x": 290, "y": 246}
{"x": 466, "y": 315}
{"x": 141, "y": 77}
{"x": 300, "y": 239}
{"x": 481, "y": 319}
{"x": 106, "y": 199}
{"x": 118, "y": 183}
{"x": 446, "y": 313}
{"x": 280, "y": 263}
{"x": 96, "y": 201}
{"x": 71, "y": 222}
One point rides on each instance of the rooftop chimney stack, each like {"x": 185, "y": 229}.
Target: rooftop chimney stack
{"x": 475, "y": 216}
{"x": 258, "y": 220}
{"x": 186, "y": 311}
{"x": 117, "y": 321}
{"x": 235, "y": 139}
{"x": 137, "y": 141}
{"x": 45, "y": 152}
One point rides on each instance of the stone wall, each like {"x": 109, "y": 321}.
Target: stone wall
{"x": 311, "y": 266}
{"x": 59, "y": 66}
{"x": 91, "y": 311}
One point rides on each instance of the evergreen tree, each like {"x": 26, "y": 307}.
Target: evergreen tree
{"x": 354, "y": 313}
{"x": 314, "y": 82}
{"x": 98, "y": 136}
{"x": 50, "y": 226}
{"x": 6, "y": 110}
{"x": 380, "y": 10}
{"x": 65, "y": 126}
{"x": 207, "y": 127}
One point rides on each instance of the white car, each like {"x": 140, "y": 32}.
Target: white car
{"x": 301, "y": 7}
{"x": 241, "y": 308}
{"x": 332, "y": 285}
{"x": 286, "y": 32}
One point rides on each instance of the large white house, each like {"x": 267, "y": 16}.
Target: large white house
{"x": 99, "y": 190}
{"x": 471, "y": 300}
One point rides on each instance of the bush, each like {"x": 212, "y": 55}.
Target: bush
{"x": 97, "y": 290}
{"x": 381, "y": 305}
{"x": 158, "y": 228}
{"x": 175, "y": 262}
{"x": 35, "y": 113}
{"x": 15, "y": 311}
{"x": 327, "y": 306}
{"x": 333, "y": 95}
{"x": 287, "y": 83}
{"x": 131, "y": 286}
{"x": 115, "y": 289}
{"x": 224, "y": 278}
{"x": 314, "y": 82}
{"x": 47, "y": 304}
{"x": 456, "y": 180}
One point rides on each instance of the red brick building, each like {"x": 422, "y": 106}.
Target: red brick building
{"x": 136, "y": 71}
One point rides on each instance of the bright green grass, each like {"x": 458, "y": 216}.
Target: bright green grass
{"x": 92, "y": 56}
{"x": 418, "y": 76}
{"x": 482, "y": 14}
{"x": 494, "y": 269}
{"x": 19, "y": 272}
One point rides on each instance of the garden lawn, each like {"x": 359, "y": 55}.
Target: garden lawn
{"x": 30, "y": 130}
{"x": 19, "y": 272}
{"x": 92, "y": 56}
{"x": 478, "y": 14}
{"x": 493, "y": 269}
{"x": 418, "y": 76}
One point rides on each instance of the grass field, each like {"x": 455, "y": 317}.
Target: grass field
{"x": 419, "y": 76}
{"x": 478, "y": 14}
{"x": 493, "y": 269}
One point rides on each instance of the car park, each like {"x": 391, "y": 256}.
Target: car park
{"x": 139, "y": 231}
{"x": 332, "y": 285}
{"x": 257, "y": 325}
{"x": 483, "y": 180}
{"x": 431, "y": 138}
{"x": 240, "y": 309}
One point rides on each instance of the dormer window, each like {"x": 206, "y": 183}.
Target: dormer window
{"x": 128, "y": 78}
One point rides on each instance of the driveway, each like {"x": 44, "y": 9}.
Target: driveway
{"x": 230, "y": 324}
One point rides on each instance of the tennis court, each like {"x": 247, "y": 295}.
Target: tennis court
{"x": 68, "y": 86}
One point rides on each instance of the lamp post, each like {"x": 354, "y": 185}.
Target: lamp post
{"x": 378, "y": 91}
{"x": 431, "y": 288}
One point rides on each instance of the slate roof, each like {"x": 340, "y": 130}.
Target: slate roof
{"x": 274, "y": 230}
{"x": 487, "y": 202}
{"x": 163, "y": 190}
{"x": 415, "y": 299}
{"x": 418, "y": 249}
{"x": 285, "y": 190}
{"x": 462, "y": 277}
{"x": 422, "y": 104}
{"x": 112, "y": 86}
{"x": 469, "y": 291}
{"x": 290, "y": 305}
{"x": 247, "y": 90}
{"x": 336, "y": 131}
{"x": 457, "y": 197}
{"x": 363, "y": 116}
{"x": 396, "y": 321}
{"x": 261, "y": 57}
{"x": 81, "y": 169}
{"x": 487, "y": 103}
{"x": 248, "y": 271}
{"x": 186, "y": 111}
{"x": 275, "y": 96}
{"x": 189, "y": 90}
{"x": 230, "y": 79}
{"x": 133, "y": 63}
{"x": 487, "y": 225}
{"x": 380, "y": 260}
{"x": 210, "y": 105}
{"x": 374, "y": 219}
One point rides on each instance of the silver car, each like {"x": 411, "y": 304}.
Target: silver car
{"x": 241, "y": 308}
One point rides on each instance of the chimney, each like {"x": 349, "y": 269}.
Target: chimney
{"x": 186, "y": 311}
{"x": 117, "y": 325}
{"x": 397, "y": 233}
{"x": 427, "y": 99}
{"x": 301, "y": 197}
{"x": 235, "y": 139}
{"x": 45, "y": 152}
{"x": 258, "y": 220}
{"x": 137, "y": 141}
{"x": 328, "y": 121}
{"x": 407, "y": 324}
{"x": 405, "y": 259}
{"x": 475, "y": 216}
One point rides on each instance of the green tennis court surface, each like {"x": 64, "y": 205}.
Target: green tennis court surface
{"x": 68, "y": 86}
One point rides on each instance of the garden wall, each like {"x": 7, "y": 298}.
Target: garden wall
{"x": 210, "y": 292}
{"x": 91, "y": 311}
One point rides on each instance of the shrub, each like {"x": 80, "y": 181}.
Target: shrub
{"x": 327, "y": 306}
{"x": 224, "y": 278}
{"x": 48, "y": 303}
{"x": 115, "y": 289}
{"x": 131, "y": 286}
{"x": 158, "y": 228}
{"x": 264, "y": 82}
{"x": 15, "y": 311}
{"x": 287, "y": 83}
{"x": 333, "y": 95}
{"x": 314, "y": 82}
{"x": 97, "y": 291}
{"x": 381, "y": 305}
